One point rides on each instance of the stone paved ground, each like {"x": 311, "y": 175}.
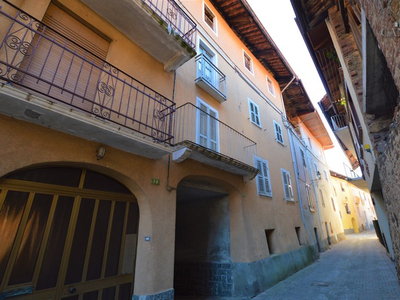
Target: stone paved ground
{"x": 356, "y": 268}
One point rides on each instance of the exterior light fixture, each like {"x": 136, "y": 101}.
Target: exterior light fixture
{"x": 318, "y": 175}
{"x": 100, "y": 152}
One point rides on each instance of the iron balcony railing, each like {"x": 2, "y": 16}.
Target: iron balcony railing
{"x": 210, "y": 74}
{"x": 39, "y": 59}
{"x": 176, "y": 19}
{"x": 339, "y": 121}
{"x": 196, "y": 126}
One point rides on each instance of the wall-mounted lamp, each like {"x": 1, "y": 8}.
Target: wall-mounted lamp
{"x": 100, "y": 152}
{"x": 318, "y": 177}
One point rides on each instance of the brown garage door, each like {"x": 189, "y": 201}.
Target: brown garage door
{"x": 66, "y": 233}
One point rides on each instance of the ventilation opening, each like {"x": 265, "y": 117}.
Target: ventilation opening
{"x": 298, "y": 235}
{"x": 269, "y": 234}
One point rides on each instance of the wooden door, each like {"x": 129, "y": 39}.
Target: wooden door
{"x": 66, "y": 234}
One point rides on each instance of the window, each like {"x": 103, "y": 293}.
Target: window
{"x": 269, "y": 235}
{"x": 303, "y": 158}
{"x": 254, "y": 113}
{"x": 210, "y": 18}
{"x": 326, "y": 175}
{"x": 322, "y": 198}
{"x": 333, "y": 204}
{"x": 263, "y": 179}
{"x": 308, "y": 189}
{"x": 248, "y": 63}
{"x": 207, "y": 126}
{"x": 278, "y": 132}
{"x": 334, "y": 191}
{"x": 207, "y": 71}
{"x": 342, "y": 187}
{"x": 287, "y": 185}
{"x": 347, "y": 209}
{"x": 298, "y": 235}
{"x": 270, "y": 85}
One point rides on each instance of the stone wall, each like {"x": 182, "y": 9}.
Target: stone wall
{"x": 381, "y": 16}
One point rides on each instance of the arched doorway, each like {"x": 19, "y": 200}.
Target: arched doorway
{"x": 66, "y": 233}
{"x": 203, "y": 264}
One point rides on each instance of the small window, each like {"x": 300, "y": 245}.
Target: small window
{"x": 287, "y": 185}
{"x": 347, "y": 209}
{"x": 210, "y": 18}
{"x": 303, "y": 158}
{"x": 334, "y": 191}
{"x": 333, "y": 204}
{"x": 326, "y": 175}
{"x": 322, "y": 198}
{"x": 298, "y": 235}
{"x": 342, "y": 187}
{"x": 263, "y": 179}
{"x": 278, "y": 132}
{"x": 269, "y": 234}
{"x": 254, "y": 113}
{"x": 270, "y": 85}
{"x": 248, "y": 63}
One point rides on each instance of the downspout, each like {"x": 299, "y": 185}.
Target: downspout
{"x": 294, "y": 160}
{"x": 314, "y": 183}
{"x": 168, "y": 187}
{"x": 297, "y": 178}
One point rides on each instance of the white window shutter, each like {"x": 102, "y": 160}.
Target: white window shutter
{"x": 266, "y": 178}
{"x": 260, "y": 178}
{"x": 213, "y": 135}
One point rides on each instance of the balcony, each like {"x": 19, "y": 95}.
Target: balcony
{"x": 160, "y": 27}
{"x": 210, "y": 78}
{"x": 339, "y": 122}
{"x": 200, "y": 136}
{"x": 63, "y": 86}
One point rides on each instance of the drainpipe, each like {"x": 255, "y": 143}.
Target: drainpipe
{"x": 314, "y": 183}
{"x": 296, "y": 175}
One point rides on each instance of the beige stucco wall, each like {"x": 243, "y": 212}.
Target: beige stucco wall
{"x": 250, "y": 214}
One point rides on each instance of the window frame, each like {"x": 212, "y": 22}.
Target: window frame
{"x": 198, "y": 135}
{"x": 303, "y": 158}
{"x": 256, "y": 114}
{"x": 278, "y": 134}
{"x": 214, "y": 28}
{"x": 270, "y": 86}
{"x": 261, "y": 176}
{"x": 246, "y": 55}
{"x": 285, "y": 174}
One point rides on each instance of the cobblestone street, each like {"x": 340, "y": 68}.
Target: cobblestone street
{"x": 356, "y": 268}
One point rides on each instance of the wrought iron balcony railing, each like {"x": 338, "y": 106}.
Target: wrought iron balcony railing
{"x": 339, "y": 121}
{"x": 209, "y": 74}
{"x": 203, "y": 130}
{"x": 176, "y": 19}
{"x": 39, "y": 59}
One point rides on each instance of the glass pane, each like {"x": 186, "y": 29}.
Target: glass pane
{"x": 99, "y": 240}
{"x": 58, "y": 176}
{"x": 114, "y": 247}
{"x": 109, "y": 293}
{"x": 203, "y": 123}
{"x": 55, "y": 245}
{"x": 124, "y": 291}
{"x": 10, "y": 217}
{"x": 133, "y": 219}
{"x": 90, "y": 295}
{"x": 29, "y": 249}
{"x": 96, "y": 181}
{"x": 131, "y": 239}
{"x": 80, "y": 242}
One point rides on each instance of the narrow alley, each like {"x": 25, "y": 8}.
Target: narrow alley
{"x": 356, "y": 268}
